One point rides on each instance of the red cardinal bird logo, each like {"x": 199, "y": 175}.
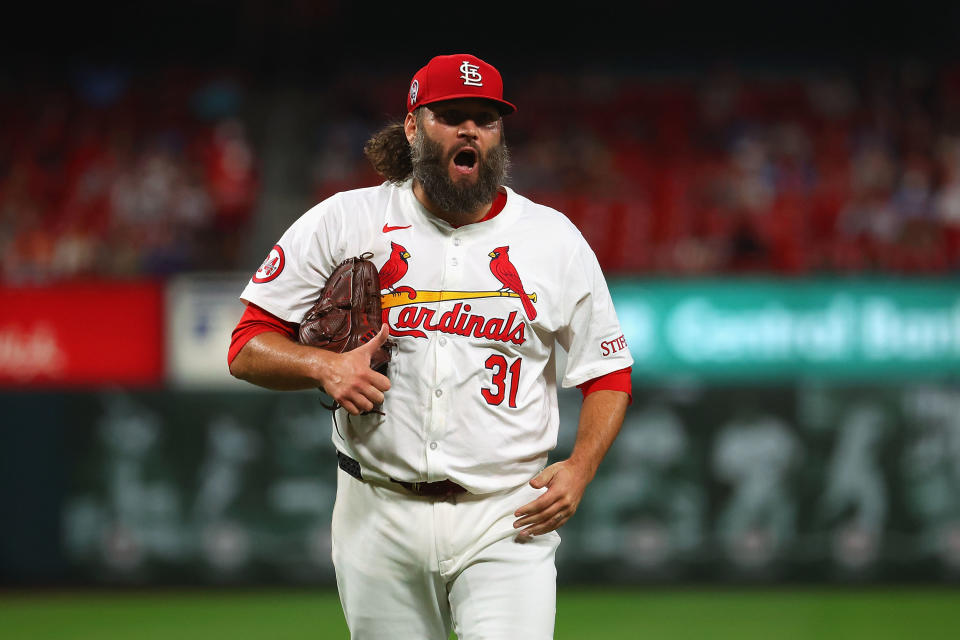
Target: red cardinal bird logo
{"x": 395, "y": 267}
{"x": 506, "y": 273}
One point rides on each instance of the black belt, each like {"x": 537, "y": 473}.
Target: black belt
{"x": 439, "y": 489}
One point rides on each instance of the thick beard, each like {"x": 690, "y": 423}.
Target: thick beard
{"x": 430, "y": 168}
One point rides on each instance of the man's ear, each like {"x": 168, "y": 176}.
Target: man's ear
{"x": 410, "y": 127}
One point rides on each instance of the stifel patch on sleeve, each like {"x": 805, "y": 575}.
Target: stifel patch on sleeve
{"x": 610, "y": 347}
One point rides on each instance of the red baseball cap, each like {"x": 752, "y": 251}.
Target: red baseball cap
{"x": 457, "y": 76}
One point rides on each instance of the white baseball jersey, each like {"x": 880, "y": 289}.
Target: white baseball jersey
{"x": 473, "y": 378}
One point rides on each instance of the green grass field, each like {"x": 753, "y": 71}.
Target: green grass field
{"x": 672, "y": 614}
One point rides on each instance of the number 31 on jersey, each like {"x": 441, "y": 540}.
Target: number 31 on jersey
{"x": 506, "y": 379}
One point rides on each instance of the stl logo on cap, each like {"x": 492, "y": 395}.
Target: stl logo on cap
{"x": 414, "y": 90}
{"x": 471, "y": 74}
{"x": 455, "y": 76}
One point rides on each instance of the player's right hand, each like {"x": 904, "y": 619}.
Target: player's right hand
{"x": 351, "y": 382}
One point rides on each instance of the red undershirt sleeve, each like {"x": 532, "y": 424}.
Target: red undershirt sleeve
{"x": 613, "y": 381}
{"x": 254, "y": 322}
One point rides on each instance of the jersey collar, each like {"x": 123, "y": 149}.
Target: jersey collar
{"x": 494, "y": 216}
{"x": 499, "y": 202}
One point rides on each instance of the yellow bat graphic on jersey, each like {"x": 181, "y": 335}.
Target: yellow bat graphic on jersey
{"x": 402, "y": 298}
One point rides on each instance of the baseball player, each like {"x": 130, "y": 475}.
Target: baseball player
{"x": 446, "y": 513}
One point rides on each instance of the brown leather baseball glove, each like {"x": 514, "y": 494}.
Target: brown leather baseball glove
{"x": 347, "y": 314}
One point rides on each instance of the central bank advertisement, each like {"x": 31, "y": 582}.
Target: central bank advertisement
{"x": 762, "y": 330}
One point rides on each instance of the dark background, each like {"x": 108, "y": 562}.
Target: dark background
{"x": 277, "y": 38}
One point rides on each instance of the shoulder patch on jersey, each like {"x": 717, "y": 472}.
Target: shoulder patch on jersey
{"x": 271, "y": 267}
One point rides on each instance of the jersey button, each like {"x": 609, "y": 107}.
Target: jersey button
{"x": 433, "y": 445}
{"x": 453, "y": 261}
{"x": 457, "y": 242}
{"x": 443, "y": 341}
{"x": 438, "y": 392}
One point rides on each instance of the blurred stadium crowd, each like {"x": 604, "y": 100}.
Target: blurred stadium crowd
{"x": 716, "y": 171}
{"x": 119, "y": 176}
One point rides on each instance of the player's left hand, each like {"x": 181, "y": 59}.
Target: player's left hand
{"x": 565, "y": 483}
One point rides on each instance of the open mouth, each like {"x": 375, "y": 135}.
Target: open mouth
{"x": 465, "y": 160}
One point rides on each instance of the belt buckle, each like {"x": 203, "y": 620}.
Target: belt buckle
{"x": 416, "y": 487}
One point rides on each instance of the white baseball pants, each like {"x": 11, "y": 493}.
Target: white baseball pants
{"x": 415, "y": 568}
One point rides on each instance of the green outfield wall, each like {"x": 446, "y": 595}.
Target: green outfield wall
{"x": 803, "y": 482}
